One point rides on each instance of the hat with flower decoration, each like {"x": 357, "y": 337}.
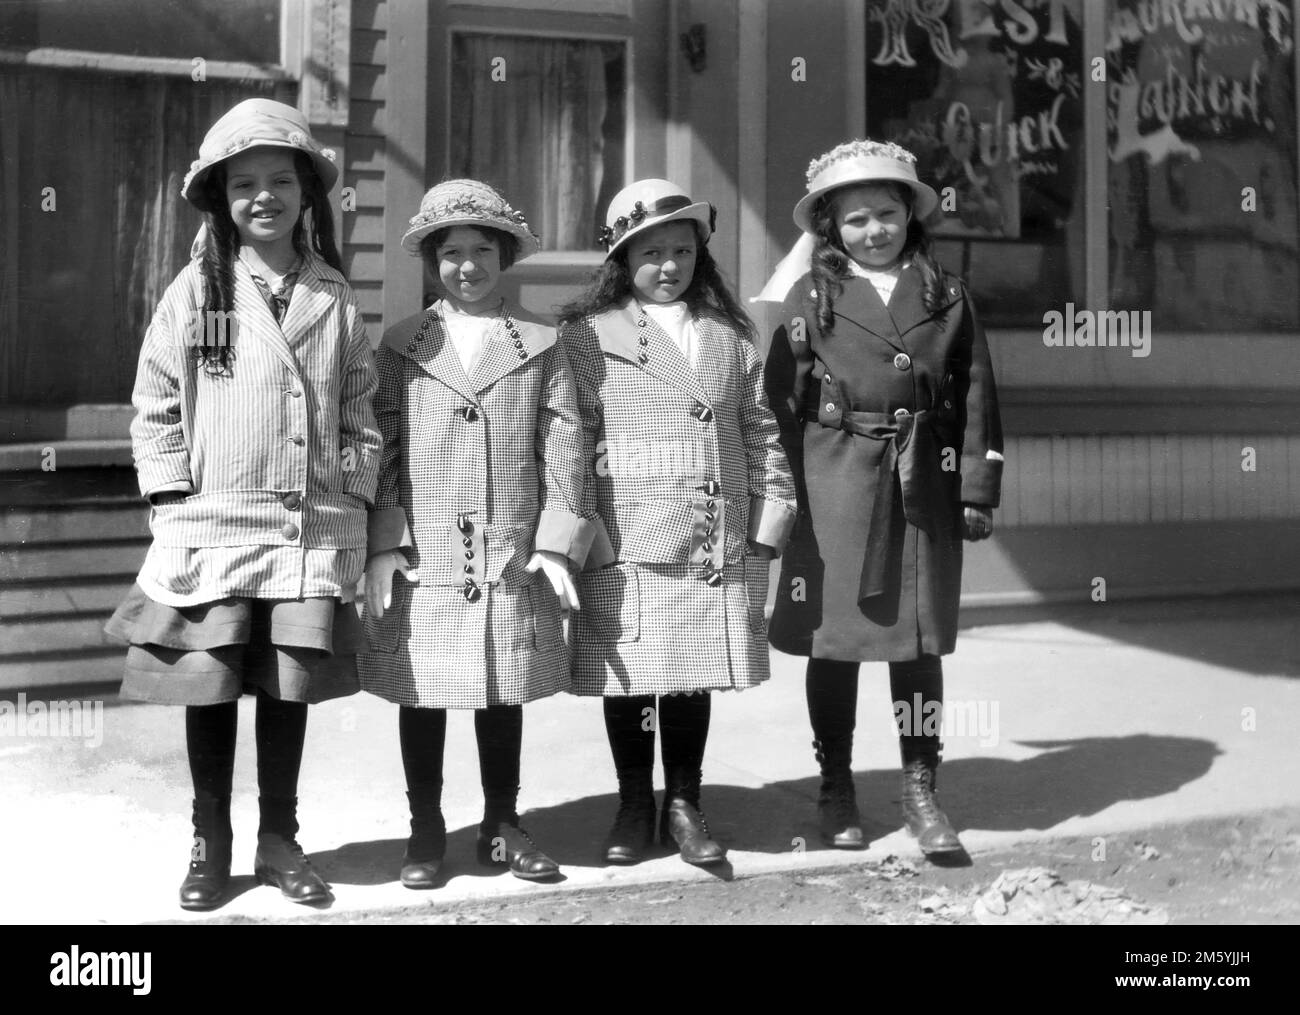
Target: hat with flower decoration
{"x": 256, "y": 123}
{"x": 648, "y": 203}
{"x": 864, "y": 161}
{"x": 468, "y": 203}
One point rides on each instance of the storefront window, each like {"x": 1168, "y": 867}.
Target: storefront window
{"x": 989, "y": 97}
{"x": 543, "y": 119}
{"x": 1201, "y": 139}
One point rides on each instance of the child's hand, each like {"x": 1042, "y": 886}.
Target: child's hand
{"x": 379, "y": 580}
{"x": 979, "y": 522}
{"x": 555, "y": 567}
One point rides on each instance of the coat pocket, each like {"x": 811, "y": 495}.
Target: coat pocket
{"x": 758, "y": 574}
{"x": 610, "y": 601}
{"x": 385, "y": 634}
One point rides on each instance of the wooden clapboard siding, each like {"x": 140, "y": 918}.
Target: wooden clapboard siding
{"x": 1129, "y": 479}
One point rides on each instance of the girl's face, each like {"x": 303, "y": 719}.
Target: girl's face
{"x": 265, "y": 198}
{"x": 469, "y": 264}
{"x": 661, "y": 261}
{"x": 872, "y": 222}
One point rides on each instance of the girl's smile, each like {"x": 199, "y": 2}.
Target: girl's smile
{"x": 661, "y": 261}
{"x": 469, "y": 266}
{"x": 872, "y": 223}
{"x": 265, "y": 197}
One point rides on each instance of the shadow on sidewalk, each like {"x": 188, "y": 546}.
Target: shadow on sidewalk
{"x": 1072, "y": 778}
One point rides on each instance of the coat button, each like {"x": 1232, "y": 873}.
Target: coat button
{"x": 291, "y": 500}
{"x": 470, "y": 414}
{"x": 902, "y": 361}
{"x": 947, "y": 404}
{"x": 523, "y": 354}
{"x": 826, "y": 378}
{"x": 472, "y": 592}
{"x": 469, "y": 554}
{"x": 643, "y": 358}
{"x": 295, "y": 393}
{"x": 290, "y": 531}
{"x": 298, "y": 439}
{"x": 830, "y": 406}
{"x": 901, "y": 413}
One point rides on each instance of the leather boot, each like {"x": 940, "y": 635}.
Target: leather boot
{"x": 837, "y": 805}
{"x": 504, "y": 844}
{"x": 427, "y": 845}
{"x": 934, "y": 833}
{"x": 683, "y": 824}
{"x": 634, "y": 825}
{"x": 205, "y": 885}
{"x": 280, "y": 861}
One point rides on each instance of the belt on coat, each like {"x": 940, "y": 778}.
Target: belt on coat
{"x": 910, "y": 463}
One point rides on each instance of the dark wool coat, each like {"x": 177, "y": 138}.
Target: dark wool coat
{"x": 890, "y": 421}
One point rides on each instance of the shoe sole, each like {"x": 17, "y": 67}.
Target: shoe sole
{"x": 941, "y": 851}
{"x": 709, "y": 862}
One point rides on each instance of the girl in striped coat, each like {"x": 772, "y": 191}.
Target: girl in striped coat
{"x": 690, "y": 498}
{"x": 256, "y": 445}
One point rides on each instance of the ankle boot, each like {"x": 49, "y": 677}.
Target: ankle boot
{"x": 280, "y": 861}
{"x": 205, "y": 885}
{"x": 502, "y": 843}
{"x": 934, "y": 833}
{"x": 683, "y": 824}
{"x": 633, "y": 831}
{"x": 837, "y": 805}
{"x": 427, "y": 845}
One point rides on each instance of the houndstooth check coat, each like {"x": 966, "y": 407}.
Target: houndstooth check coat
{"x": 683, "y": 467}
{"x": 477, "y": 472}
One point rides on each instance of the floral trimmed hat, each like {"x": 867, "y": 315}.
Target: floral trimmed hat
{"x": 468, "y": 203}
{"x": 648, "y": 203}
{"x": 865, "y": 161}
{"x": 256, "y": 123}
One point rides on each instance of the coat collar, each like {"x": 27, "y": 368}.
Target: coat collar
{"x": 860, "y": 304}
{"x": 317, "y": 290}
{"x": 423, "y": 339}
{"x": 620, "y": 335}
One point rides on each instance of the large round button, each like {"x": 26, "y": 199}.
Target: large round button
{"x": 298, "y": 439}
{"x": 830, "y": 406}
{"x": 290, "y": 531}
{"x": 291, "y": 500}
{"x": 902, "y": 361}
{"x": 295, "y": 393}
{"x": 901, "y": 413}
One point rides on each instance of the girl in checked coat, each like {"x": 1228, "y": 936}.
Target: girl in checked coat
{"x": 881, "y": 379}
{"x": 479, "y": 489}
{"x": 690, "y": 496}
{"x": 256, "y": 446}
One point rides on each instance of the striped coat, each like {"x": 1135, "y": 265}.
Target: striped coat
{"x": 683, "y": 467}
{"x": 278, "y": 458}
{"x": 478, "y": 472}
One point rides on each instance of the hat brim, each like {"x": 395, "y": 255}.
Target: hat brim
{"x": 192, "y": 190}
{"x": 924, "y": 205}
{"x": 528, "y": 243}
{"x": 701, "y": 212}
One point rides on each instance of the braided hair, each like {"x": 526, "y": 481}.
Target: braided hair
{"x": 830, "y": 261}
{"x": 312, "y": 233}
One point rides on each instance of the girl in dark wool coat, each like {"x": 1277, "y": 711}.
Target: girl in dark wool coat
{"x": 880, "y": 378}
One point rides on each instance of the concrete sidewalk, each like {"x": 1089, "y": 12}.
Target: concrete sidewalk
{"x": 1118, "y": 718}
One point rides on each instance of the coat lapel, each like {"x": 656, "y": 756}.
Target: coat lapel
{"x": 714, "y": 343}
{"x": 620, "y": 336}
{"x": 424, "y": 341}
{"x": 906, "y": 305}
{"x": 503, "y": 353}
{"x": 860, "y": 304}
{"x": 318, "y": 288}
{"x": 257, "y": 319}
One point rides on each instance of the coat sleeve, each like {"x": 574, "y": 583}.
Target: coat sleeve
{"x": 786, "y": 377}
{"x": 389, "y": 527}
{"x": 771, "y": 487}
{"x": 981, "y": 459}
{"x": 162, "y": 460}
{"x": 584, "y": 355}
{"x": 359, "y": 441}
{"x": 559, "y": 449}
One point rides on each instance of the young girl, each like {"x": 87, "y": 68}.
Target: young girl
{"x": 690, "y": 495}
{"x": 881, "y": 380}
{"x": 255, "y": 443}
{"x": 479, "y": 488}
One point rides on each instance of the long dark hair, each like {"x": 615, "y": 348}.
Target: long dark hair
{"x": 611, "y": 285}
{"x": 312, "y": 233}
{"x": 830, "y": 261}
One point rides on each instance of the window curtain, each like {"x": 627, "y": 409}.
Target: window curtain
{"x": 542, "y": 136}
{"x": 92, "y": 225}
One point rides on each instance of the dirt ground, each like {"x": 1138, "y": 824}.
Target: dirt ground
{"x": 1242, "y": 870}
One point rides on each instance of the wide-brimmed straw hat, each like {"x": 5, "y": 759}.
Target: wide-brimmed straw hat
{"x": 866, "y": 161}
{"x": 256, "y": 123}
{"x": 468, "y": 203}
{"x": 647, "y": 203}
